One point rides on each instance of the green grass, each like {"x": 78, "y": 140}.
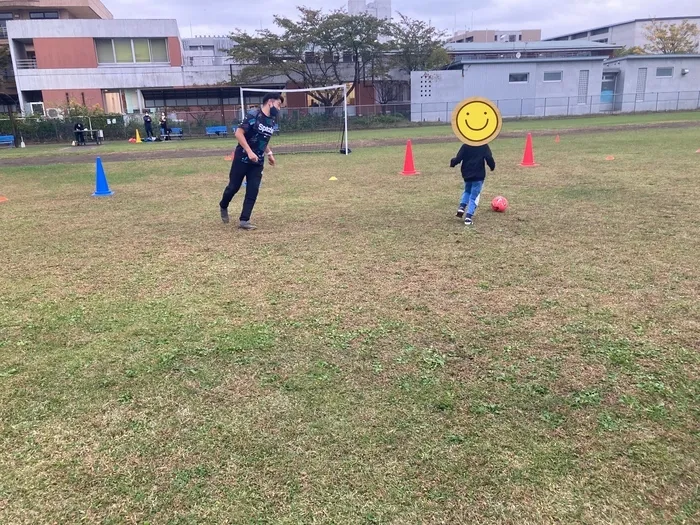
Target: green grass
{"x": 362, "y": 357}
{"x": 363, "y": 135}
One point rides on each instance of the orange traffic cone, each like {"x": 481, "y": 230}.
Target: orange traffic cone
{"x": 609, "y": 157}
{"x": 408, "y": 166}
{"x": 528, "y": 155}
{"x": 557, "y": 140}
{"x": 3, "y": 198}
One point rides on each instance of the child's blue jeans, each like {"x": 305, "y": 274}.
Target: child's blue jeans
{"x": 472, "y": 191}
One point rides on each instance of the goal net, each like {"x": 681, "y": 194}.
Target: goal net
{"x": 311, "y": 119}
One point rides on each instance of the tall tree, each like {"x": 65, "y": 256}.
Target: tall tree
{"x": 672, "y": 39}
{"x": 5, "y": 68}
{"x": 419, "y": 46}
{"x": 316, "y": 50}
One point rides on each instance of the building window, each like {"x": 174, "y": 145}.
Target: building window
{"x": 664, "y": 72}
{"x": 495, "y": 38}
{"x": 641, "y": 84}
{"x": 602, "y": 41}
{"x": 131, "y": 50}
{"x": 601, "y": 31}
{"x": 553, "y": 76}
{"x": 518, "y": 78}
{"x": 511, "y": 38}
{"x": 583, "y": 86}
{"x": 520, "y": 38}
{"x": 44, "y": 15}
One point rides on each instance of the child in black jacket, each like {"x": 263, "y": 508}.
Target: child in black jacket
{"x": 473, "y": 173}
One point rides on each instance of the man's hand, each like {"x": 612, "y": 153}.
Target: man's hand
{"x": 271, "y": 158}
{"x": 252, "y": 156}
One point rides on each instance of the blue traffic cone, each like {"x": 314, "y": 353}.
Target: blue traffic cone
{"x": 101, "y": 185}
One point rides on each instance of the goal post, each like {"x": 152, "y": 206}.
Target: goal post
{"x": 306, "y": 129}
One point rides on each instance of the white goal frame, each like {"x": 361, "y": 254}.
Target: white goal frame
{"x": 344, "y": 87}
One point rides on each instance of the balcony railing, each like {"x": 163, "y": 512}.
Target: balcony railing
{"x": 26, "y": 63}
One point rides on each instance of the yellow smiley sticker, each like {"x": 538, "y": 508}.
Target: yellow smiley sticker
{"x": 476, "y": 121}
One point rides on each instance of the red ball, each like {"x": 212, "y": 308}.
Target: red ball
{"x": 499, "y": 204}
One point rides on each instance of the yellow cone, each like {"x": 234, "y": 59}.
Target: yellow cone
{"x": 333, "y": 178}
{"x": 138, "y": 137}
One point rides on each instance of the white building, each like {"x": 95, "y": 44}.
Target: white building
{"x": 628, "y": 34}
{"x": 378, "y": 8}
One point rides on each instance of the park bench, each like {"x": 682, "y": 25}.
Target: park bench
{"x": 7, "y": 140}
{"x": 219, "y": 131}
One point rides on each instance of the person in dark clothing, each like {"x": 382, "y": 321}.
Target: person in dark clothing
{"x": 79, "y": 132}
{"x": 253, "y": 137}
{"x": 148, "y": 123}
{"x": 472, "y": 159}
{"x": 164, "y": 127}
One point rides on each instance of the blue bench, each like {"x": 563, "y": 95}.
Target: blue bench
{"x": 7, "y": 140}
{"x": 176, "y": 132}
{"x": 219, "y": 131}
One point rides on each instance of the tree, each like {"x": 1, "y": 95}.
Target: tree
{"x": 317, "y": 50}
{"x": 419, "y": 46}
{"x": 672, "y": 39}
{"x": 5, "y": 68}
{"x": 626, "y": 51}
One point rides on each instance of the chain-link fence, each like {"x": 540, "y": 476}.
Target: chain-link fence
{"x": 606, "y": 103}
{"x": 208, "y": 121}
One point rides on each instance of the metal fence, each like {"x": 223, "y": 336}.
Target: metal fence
{"x": 194, "y": 121}
{"x": 606, "y": 103}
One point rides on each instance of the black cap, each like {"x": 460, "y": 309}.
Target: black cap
{"x": 273, "y": 96}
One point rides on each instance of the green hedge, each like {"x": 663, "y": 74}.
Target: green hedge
{"x": 61, "y": 130}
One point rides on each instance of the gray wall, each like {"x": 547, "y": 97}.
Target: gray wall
{"x": 660, "y": 94}
{"x": 434, "y": 94}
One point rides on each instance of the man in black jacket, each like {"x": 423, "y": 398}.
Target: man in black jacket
{"x": 473, "y": 173}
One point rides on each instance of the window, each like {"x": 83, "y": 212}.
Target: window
{"x": 520, "y": 38}
{"x": 664, "y": 72}
{"x": 131, "y": 50}
{"x": 601, "y": 31}
{"x": 579, "y": 36}
{"x": 511, "y": 38}
{"x": 602, "y": 41}
{"x": 583, "y": 86}
{"x": 553, "y": 76}
{"x": 495, "y": 38}
{"x": 44, "y": 15}
{"x": 518, "y": 78}
{"x": 641, "y": 84}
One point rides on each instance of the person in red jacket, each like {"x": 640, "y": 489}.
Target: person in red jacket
{"x": 472, "y": 159}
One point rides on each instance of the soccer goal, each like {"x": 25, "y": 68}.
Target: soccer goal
{"x": 311, "y": 120}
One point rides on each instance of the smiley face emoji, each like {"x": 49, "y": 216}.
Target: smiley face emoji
{"x": 476, "y": 121}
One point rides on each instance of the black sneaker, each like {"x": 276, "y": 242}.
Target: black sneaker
{"x": 460, "y": 212}
{"x": 468, "y": 221}
{"x": 246, "y": 225}
{"x": 224, "y": 215}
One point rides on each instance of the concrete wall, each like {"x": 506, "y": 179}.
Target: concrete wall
{"x": 660, "y": 94}
{"x": 126, "y": 28}
{"x": 434, "y": 96}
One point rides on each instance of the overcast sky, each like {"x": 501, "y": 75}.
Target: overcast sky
{"x": 554, "y": 17}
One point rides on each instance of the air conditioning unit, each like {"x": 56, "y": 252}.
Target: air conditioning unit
{"x": 56, "y": 113}
{"x": 36, "y": 108}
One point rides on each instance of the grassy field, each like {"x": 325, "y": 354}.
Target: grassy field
{"x": 362, "y": 357}
{"x": 362, "y": 135}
